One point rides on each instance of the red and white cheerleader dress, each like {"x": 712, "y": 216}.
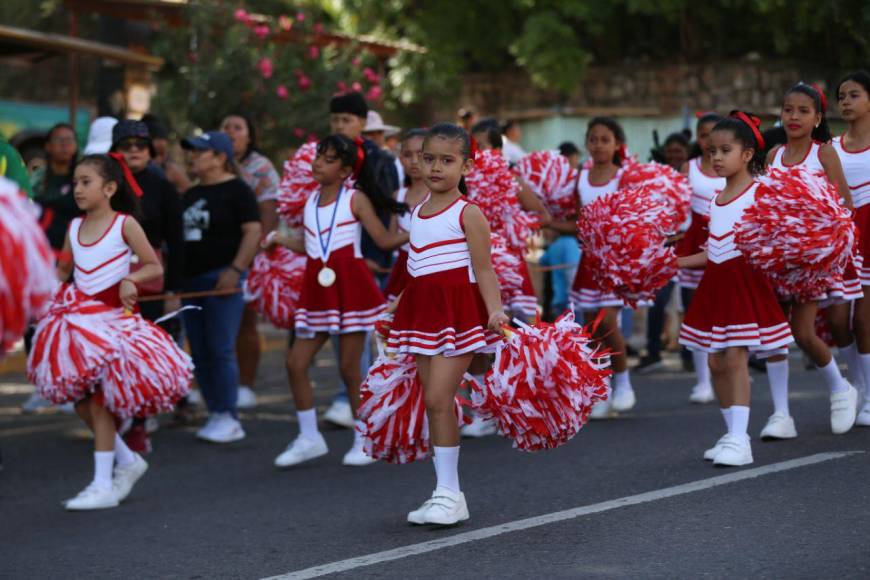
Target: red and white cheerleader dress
{"x": 704, "y": 190}
{"x": 734, "y": 305}
{"x": 87, "y": 345}
{"x": 849, "y": 288}
{"x": 353, "y": 302}
{"x": 856, "y": 167}
{"x": 441, "y": 311}
{"x": 399, "y": 274}
{"x": 585, "y": 292}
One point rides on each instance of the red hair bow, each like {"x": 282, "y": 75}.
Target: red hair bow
{"x": 128, "y": 175}
{"x": 360, "y": 157}
{"x": 754, "y": 124}
{"x": 822, "y": 98}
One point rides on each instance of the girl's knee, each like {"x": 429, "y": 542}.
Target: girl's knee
{"x": 438, "y": 402}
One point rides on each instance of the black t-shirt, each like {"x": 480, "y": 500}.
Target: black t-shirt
{"x": 383, "y": 166}
{"x": 161, "y": 209}
{"x": 55, "y": 194}
{"x": 213, "y": 218}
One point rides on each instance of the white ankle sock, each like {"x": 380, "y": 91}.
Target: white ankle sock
{"x": 739, "y": 421}
{"x": 103, "y": 462}
{"x": 123, "y": 455}
{"x": 853, "y": 363}
{"x": 621, "y": 381}
{"x": 702, "y": 366}
{"x": 777, "y": 376}
{"x": 726, "y": 414}
{"x": 833, "y": 378}
{"x": 308, "y": 423}
{"x": 446, "y": 461}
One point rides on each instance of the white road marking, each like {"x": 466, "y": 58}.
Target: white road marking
{"x": 555, "y": 517}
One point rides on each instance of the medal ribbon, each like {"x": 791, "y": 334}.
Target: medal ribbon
{"x": 326, "y": 249}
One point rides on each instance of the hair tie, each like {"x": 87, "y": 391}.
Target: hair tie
{"x": 753, "y": 122}
{"x": 128, "y": 175}
{"x": 823, "y": 100}
{"x": 473, "y": 149}
{"x": 360, "y": 157}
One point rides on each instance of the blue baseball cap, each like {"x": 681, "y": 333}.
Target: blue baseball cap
{"x": 216, "y": 141}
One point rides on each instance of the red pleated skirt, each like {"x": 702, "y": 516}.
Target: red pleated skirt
{"x": 399, "y": 276}
{"x": 862, "y": 220}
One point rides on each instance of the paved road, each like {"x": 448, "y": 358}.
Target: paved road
{"x": 224, "y": 512}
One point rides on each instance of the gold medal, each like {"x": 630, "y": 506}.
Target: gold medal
{"x": 326, "y": 277}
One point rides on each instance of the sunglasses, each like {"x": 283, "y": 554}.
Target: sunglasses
{"x": 131, "y": 144}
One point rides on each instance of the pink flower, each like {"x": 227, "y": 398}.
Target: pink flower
{"x": 285, "y": 22}
{"x": 282, "y": 92}
{"x": 299, "y": 132}
{"x": 374, "y": 94}
{"x": 262, "y": 31}
{"x": 318, "y": 28}
{"x": 341, "y": 86}
{"x": 192, "y": 57}
{"x": 356, "y": 61}
{"x": 241, "y": 15}
{"x": 312, "y": 136}
{"x": 300, "y": 17}
{"x": 303, "y": 82}
{"x": 313, "y": 52}
{"x": 370, "y": 75}
{"x": 356, "y": 87}
{"x": 266, "y": 68}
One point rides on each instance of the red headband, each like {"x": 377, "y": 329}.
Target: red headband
{"x": 128, "y": 175}
{"x": 753, "y": 122}
{"x": 360, "y": 157}
{"x": 474, "y": 148}
{"x": 823, "y": 100}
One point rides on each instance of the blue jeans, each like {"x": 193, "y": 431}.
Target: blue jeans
{"x": 655, "y": 321}
{"x": 212, "y": 335}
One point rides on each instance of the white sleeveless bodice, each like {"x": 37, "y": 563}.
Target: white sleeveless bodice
{"x": 589, "y": 192}
{"x": 723, "y": 218}
{"x": 856, "y": 167}
{"x": 704, "y": 187}
{"x": 103, "y": 263}
{"x": 348, "y": 230}
{"x": 438, "y": 242}
{"x": 810, "y": 162}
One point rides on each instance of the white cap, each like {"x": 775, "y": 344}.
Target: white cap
{"x": 375, "y": 123}
{"x": 100, "y": 135}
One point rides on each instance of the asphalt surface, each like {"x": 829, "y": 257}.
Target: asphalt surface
{"x": 206, "y": 511}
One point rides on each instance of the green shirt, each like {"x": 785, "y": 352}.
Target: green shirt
{"x": 12, "y": 166}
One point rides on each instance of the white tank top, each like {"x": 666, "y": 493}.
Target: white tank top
{"x": 438, "y": 241}
{"x": 810, "y": 162}
{"x": 348, "y": 230}
{"x": 856, "y": 167}
{"x": 723, "y": 218}
{"x": 589, "y": 192}
{"x": 704, "y": 187}
{"x": 103, "y": 263}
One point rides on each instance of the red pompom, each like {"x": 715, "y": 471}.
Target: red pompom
{"x": 823, "y": 330}
{"x": 506, "y": 264}
{"x": 624, "y": 241}
{"x": 543, "y": 384}
{"x": 493, "y": 188}
{"x": 297, "y": 184}
{"x": 274, "y": 284}
{"x": 27, "y": 277}
{"x": 393, "y": 409}
{"x": 550, "y": 175}
{"x": 663, "y": 183}
{"x": 797, "y": 233}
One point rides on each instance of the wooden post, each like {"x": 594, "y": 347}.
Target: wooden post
{"x": 73, "y": 71}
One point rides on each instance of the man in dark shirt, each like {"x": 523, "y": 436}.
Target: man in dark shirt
{"x": 52, "y": 184}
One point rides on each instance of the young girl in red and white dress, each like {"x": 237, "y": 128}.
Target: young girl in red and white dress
{"x": 451, "y": 308}
{"x": 101, "y": 245}
{"x": 735, "y": 310}
{"x": 807, "y": 149}
{"x": 853, "y": 148}
{"x": 339, "y": 294}
{"x": 605, "y": 142}
{"x": 705, "y": 185}
{"x": 411, "y": 194}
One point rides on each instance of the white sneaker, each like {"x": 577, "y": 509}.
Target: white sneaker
{"x": 194, "y": 397}
{"x": 711, "y": 453}
{"x": 67, "y": 408}
{"x": 479, "y": 428}
{"x": 93, "y": 497}
{"x": 863, "y": 419}
{"x": 124, "y": 478}
{"x": 702, "y": 394}
{"x": 601, "y": 410}
{"x": 151, "y": 425}
{"x": 779, "y": 426}
{"x": 356, "y": 456}
{"x": 736, "y": 451}
{"x": 624, "y": 400}
{"x": 34, "y": 404}
{"x": 226, "y": 429}
{"x": 302, "y": 449}
{"x": 844, "y": 409}
{"x": 446, "y": 508}
{"x": 417, "y": 516}
{"x": 203, "y": 432}
{"x": 247, "y": 399}
{"x": 340, "y": 413}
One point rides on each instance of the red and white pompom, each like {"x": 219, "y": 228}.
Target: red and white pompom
{"x": 27, "y": 277}
{"x": 797, "y": 233}
{"x": 543, "y": 383}
{"x": 550, "y": 175}
{"x": 393, "y": 409}
{"x": 72, "y": 346}
{"x": 506, "y": 264}
{"x": 493, "y": 188}
{"x": 274, "y": 284}
{"x": 150, "y": 374}
{"x": 297, "y": 184}
{"x": 663, "y": 183}
{"x": 624, "y": 241}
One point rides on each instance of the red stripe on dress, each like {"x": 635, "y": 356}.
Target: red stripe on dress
{"x": 438, "y": 244}
{"x": 106, "y": 263}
